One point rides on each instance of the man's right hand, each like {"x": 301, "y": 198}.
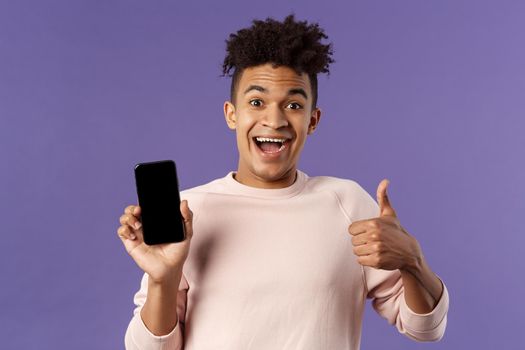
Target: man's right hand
{"x": 162, "y": 262}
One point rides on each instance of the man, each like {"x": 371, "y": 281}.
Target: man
{"x": 279, "y": 260}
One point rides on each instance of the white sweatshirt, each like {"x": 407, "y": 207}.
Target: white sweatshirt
{"x": 274, "y": 269}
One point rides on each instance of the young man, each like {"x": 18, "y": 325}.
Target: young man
{"x": 279, "y": 260}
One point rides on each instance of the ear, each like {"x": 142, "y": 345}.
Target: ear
{"x": 315, "y": 117}
{"x": 229, "y": 115}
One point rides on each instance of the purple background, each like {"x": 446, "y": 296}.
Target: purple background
{"x": 430, "y": 94}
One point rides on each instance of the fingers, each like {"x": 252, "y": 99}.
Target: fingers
{"x": 357, "y": 227}
{"x": 365, "y": 238}
{"x": 124, "y": 232}
{"x": 131, "y": 221}
{"x": 187, "y": 217}
{"x": 133, "y": 210}
{"x": 359, "y": 240}
{"x": 373, "y": 260}
{"x": 370, "y": 225}
{"x": 131, "y": 226}
{"x": 365, "y": 231}
{"x": 125, "y": 236}
{"x": 363, "y": 226}
{"x": 367, "y": 249}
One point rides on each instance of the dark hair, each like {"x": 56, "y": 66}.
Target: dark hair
{"x": 291, "y": 43}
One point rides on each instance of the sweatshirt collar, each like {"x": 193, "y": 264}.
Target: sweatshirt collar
{"x": 236, "y": 187}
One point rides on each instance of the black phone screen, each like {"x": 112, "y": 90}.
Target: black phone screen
{"x": 159, "y": 201}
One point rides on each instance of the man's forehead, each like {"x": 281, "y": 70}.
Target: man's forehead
{"x": 266, "y": 75}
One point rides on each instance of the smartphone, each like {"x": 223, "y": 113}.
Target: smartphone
{"x": 159, "y": 201}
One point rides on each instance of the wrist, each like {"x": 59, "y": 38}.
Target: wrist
{"x": 166, "y": 283}
{"x": 419, "y": 274}
{"x": 415, "y": 262}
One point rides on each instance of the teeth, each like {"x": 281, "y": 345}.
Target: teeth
{"x": 266, "y": 139}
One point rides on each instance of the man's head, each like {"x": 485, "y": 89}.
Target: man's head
{"x": 273, "y": 96}
{"x": 291, "y": 43}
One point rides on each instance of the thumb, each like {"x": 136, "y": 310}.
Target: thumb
{"x": 385, "y": 208}
{"x": 187, "y": 217}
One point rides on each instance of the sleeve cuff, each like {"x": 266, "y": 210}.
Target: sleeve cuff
{"x": 429, "y": 326}
{"x": 139, "y": 336}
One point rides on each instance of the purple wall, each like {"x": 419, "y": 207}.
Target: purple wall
{"x": 430, "y": 94}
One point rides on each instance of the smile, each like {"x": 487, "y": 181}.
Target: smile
{"x": 271, "y": 147}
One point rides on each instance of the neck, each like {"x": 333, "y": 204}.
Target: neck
{"x": 254, "y": 180}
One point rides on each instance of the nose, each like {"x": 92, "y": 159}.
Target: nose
{"x": 274, "y": 118}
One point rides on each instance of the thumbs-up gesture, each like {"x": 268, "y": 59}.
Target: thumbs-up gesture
{"x": 382, "y": 242}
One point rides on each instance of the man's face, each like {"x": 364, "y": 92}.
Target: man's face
{"x": 271, "y": 103}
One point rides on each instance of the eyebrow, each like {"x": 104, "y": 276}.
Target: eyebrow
{"x": 295, "y": 91}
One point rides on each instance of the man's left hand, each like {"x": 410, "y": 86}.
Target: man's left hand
{"x": 382, "y": 242}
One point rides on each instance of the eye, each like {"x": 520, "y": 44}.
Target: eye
{"x": 294, "y": 105}
{"x": 256, "y": 102}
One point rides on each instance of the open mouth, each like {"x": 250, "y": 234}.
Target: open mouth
{"x": 271, "y": 145}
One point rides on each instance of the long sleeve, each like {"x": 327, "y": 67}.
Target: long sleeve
{"x": 385, "y": 288}
{"x": 138, "y": 337}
